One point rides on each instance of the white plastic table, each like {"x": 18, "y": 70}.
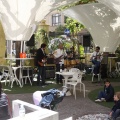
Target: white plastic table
{"x": 66, "y": 75}
{"x": 21, "y": 59}
{"x": 15, "y": 68}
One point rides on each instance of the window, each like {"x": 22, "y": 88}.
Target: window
{"x": 65, "y": 18}
{"x": 56, "y": 19}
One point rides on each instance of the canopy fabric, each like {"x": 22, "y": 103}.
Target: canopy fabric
{"x": 47, "y": 7}
{"x": 101, "y": 22}
{"x": 19, "y": 16}
{"x": 112, "y": 4}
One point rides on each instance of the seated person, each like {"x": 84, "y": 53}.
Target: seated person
{"x": 106, "y": 95}
{"x": 4, "y": 114}
{"x": 96, "y": 59}
{"x": 72, "y": 52}
{"x": 115, "y": 111}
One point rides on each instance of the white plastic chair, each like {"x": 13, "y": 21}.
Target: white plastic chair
{"x": 5, "y": 73}
{"x": 75, "y": 70}
{"x": 99, "y": 77}
{"x": 74, "y": 81}
{"x": 27, "y": 76}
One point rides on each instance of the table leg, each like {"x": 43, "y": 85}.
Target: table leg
{"x": 68, "y": 93}
{"x": 110, "y": 65}
{"x": 15, "y": 77}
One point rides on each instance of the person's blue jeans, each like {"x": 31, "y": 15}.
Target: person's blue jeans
{"x": 41, "y": 75}
{"x": 115, "y": 114}
{"x": 96, "y": 67}
{"x": 101, "y": 94}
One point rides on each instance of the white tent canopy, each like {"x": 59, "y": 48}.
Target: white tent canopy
{"x": 112, "y": 4}
{"x": 102, "y": 23}
{"x": 19, "y": 17}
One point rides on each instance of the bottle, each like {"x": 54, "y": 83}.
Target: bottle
{"x": 22, "y": 111}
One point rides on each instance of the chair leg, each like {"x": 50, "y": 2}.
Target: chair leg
{"x": 25, "y": 80}
{"x": 12, "y": 82}
{"x": 22, "y": 81}
{"x": 84, "y": 90}
{"x": 74, "y": 92}
{"x": 30, "y": 81}
{"x": 9, "y": 82}
{"x": 19, "y": 83}
{"x": 99, "y": 77}
{"x": 80, "y": 87}
{"x": 63, "y": 82}
{"x": 92, "y": 77}
{"x": 6, "y": 80}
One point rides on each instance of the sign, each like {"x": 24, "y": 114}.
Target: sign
{"x": 67, "y": 31}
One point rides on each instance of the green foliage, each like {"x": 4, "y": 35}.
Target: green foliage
{"x": 78, "y": 3}
{"x": 73, "y": 25}
{"x": 41, "y": 34}
{"x": 68, "y": 45}
{"x": 60, "y": 28}
{"x": 53, "y": 43}
{"x": 85, "y": 2}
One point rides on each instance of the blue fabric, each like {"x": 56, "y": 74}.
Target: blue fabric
{"x": 96, "y": 67}
{"x": 115, "y": 114}
{"x": 46, "y": 100}
{"x": 49, "y": 97}
{"x": 101, "y": 95}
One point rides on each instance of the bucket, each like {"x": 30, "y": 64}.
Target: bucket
{"x": 22, "y": 55}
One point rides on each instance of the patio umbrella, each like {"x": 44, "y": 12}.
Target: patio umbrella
{"x": 19, "y": 17}
{"x": 101, "y": 22}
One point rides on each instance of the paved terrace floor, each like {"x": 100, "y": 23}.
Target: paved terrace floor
{"x": 71, "y": 107}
